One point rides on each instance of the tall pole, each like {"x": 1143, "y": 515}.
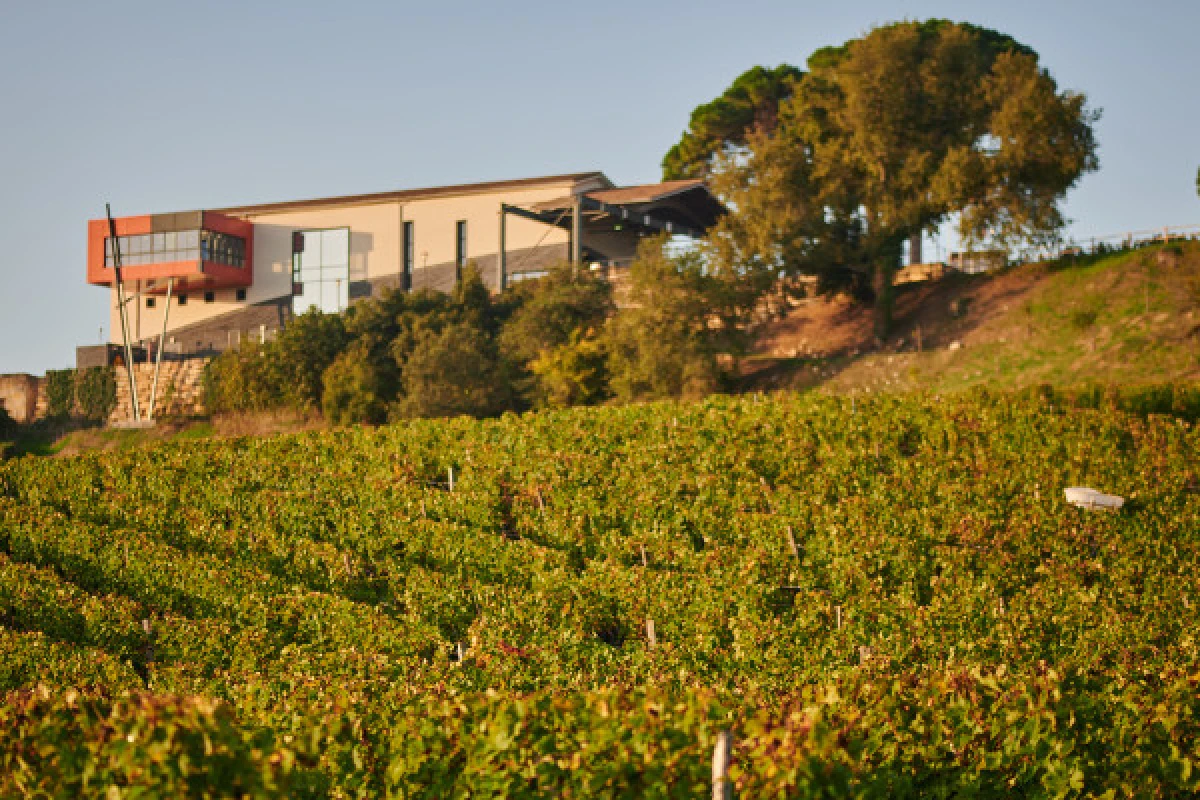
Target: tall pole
{"x": 116, "y": 251}
{"x": 162, "y": 340}
{"x": 577, "y": 231}
{"x": 502, "y": 255}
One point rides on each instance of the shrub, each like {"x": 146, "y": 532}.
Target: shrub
{"x": 286, "y": 372}
{"x": 552, "y": 310}
{"x": 60, "y": 392}
{"x": 572, "y": 374}
{"x": 239, "y": 380}
{"x": 95, "y": 393}
{"x": 300, "y": 355}
{"x": 451, "y": 372}
{"x": 666, "y": 343}
{"x": 353, "y": 389}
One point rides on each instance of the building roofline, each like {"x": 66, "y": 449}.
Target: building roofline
{"x": 411, "y": 194}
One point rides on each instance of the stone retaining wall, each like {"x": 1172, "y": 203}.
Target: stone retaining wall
{"x": 180, "y": 389}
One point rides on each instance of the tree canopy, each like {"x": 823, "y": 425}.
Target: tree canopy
{"x": 895, "y": 134}
{"x": 750, "y": 103}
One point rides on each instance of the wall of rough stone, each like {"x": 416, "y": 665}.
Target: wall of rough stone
{"x": 180, "y": 390}
{"x": 19, "y": 396}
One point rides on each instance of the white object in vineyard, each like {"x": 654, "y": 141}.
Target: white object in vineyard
{"x": 1093, "y": 500}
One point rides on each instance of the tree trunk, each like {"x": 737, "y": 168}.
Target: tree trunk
{"x": 885, "y": 299}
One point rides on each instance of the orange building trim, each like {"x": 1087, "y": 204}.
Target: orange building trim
{"x": 187, "y": 274}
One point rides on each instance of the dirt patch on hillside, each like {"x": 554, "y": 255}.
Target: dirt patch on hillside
{"x": 935, "y": 312}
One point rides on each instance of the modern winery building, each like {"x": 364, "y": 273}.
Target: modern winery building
{"x": 225, "y": 274}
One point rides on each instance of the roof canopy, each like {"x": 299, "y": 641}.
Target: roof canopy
{"x": 679, "y": 207}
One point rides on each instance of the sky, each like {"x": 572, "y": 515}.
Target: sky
{"x": 166, "y": 106}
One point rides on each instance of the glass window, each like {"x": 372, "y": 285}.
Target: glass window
{"x": 335, "y": 247}
{"x": 323, "y": 271}
{"x": 409, "y": 249}
{"x": 160, "y": 243}
{"x": 311, "y": 257}
{"x": 460, "y": 244}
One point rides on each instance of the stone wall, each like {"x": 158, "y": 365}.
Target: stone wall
{"x": 180, "y": 389}
{"x": 19, "y": 395}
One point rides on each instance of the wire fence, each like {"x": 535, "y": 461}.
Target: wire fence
{"x": 1115, "y": 242}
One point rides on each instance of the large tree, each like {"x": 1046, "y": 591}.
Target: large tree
{"x": 895, "y": 134}
{"x": 750, "y": 103}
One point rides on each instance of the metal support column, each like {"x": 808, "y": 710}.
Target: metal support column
{"x": 501, "y": 252}
{"x": 576, "y": 230}
{"x": 162, "y": 340}
{"x": 116, "y": 251}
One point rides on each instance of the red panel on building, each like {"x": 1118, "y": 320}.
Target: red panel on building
{"x": 193, "y": 273}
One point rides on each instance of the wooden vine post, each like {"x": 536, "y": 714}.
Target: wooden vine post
{"x": 650, "y": 637}
{"x": 722, "y": 787}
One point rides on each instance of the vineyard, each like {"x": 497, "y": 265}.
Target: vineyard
{"x": 876, "y": 597}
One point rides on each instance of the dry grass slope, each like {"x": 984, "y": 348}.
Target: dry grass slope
{"x": 1128, "y": 318}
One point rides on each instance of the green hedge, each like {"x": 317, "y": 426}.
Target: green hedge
{"x": 87, "y": 393}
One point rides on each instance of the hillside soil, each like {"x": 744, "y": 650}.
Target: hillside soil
{"x": 1131, "y": 317}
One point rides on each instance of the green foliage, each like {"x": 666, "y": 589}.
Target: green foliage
{"x": 452, "y": 371}
{"x": 285, "y": 372}
{"x": 944, "y": 625}
{"x": 240, "y": 380}
{"x": 89, "y": 393}
{"x": 894, "y": 134}
{"x": 720, "y": 126}
{"x": 427, "y": 353}
{"x": 300, "y": 354}
{"x": 353, "y": 389}
{"x": 8, "y": 426}
{"x": 60, "y": 392}
{"x": 550, "y": 340}
{"x": 95, "y": 393}
{"x": 572, "y": 374}
{"x": 666, "y": 343}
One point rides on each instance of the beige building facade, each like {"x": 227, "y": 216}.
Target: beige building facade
{"x": 328, "y": 253}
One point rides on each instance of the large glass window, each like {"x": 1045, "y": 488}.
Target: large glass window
{"x": 460, "y": 245}
{"x": 321, "y": 271}
{"x": 409, "y": 249}
{"x": 162, "y": 248}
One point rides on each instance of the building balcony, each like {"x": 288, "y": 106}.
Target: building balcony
{"x": 199, "y": 249}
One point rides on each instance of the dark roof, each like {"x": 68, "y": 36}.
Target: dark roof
{"x": 414, "y": 194}
{"x": 686, "y": 202}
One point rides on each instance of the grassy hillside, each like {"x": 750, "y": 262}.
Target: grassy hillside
{"x": 881, "y": 596}
{"x": 1131, "y": 317}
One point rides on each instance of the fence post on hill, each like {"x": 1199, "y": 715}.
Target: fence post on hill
{"x": 644, "y": 562}
{"x": 722, "y": 787}
{"x": 837, "y": 611}
{"x": 792, "y": 543}
{"x": 450, "y": 477}
{"x": 650, "y": 637}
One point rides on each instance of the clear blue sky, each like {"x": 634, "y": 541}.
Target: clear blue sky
{"x": 164, "y": 106}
